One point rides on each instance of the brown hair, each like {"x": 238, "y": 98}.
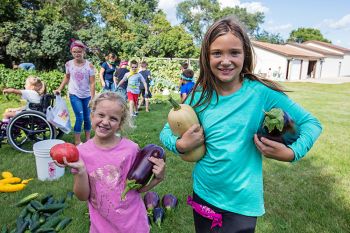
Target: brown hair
{"x": 184, "y": 65}
{"x": 205, "y": 81}
{"x": 126, "y": 121}
{"x": 188, "y": 73}
{"x": 111, "y": 56}
{"x": 144, "y": 64}
{"x": 37, "y": 84}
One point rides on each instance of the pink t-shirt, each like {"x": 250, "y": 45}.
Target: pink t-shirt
{"x": 79, "y": 81}
{"x": 107, "y": 170}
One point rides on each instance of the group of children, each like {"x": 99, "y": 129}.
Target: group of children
{"x": 130, "y": 84}
{"x": 229, "y": 101}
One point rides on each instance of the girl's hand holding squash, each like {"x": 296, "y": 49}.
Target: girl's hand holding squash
{"x": 191, "y": 139}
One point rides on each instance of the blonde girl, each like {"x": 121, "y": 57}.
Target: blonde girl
{"x": 34, "y": 90}
{"x": 101, "y": 172}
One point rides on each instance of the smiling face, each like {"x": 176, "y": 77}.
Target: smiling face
{"x": 106, "y": 119}
{"x": 226, "y": 58}
{"x": 77, "y": 52}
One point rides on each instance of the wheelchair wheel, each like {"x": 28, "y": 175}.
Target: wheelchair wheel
{"x": 27, "y": 128}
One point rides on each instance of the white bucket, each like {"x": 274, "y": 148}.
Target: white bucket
{"x": 45, "y": 166}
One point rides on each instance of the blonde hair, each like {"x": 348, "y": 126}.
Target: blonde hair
{"x": 36, "y": 84}
{"x": 126, "y": 122}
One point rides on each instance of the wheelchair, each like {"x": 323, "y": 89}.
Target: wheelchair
{"x": 30, "y": 126}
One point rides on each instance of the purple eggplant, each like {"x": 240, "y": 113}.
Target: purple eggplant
{"x": 158, "y": 215}
{"x": 279, "y": 126}
{"x": 141, "y": 171}
{"x": 151, "y": 200}
{"x": 169, "y": 202}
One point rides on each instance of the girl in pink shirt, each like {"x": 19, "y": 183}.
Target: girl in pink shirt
{"x": 101, "y": 172}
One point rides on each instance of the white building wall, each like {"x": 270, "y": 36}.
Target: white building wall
{"x": 294, "y": 70}
{"x": 330, "y": 67}
{"x": 265, "y": 60}
{"x": 345, "y": 63}
{"x": 305, "y": 65}
{"x": 345, "y": 69}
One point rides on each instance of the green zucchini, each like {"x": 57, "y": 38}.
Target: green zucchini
{"x": 36, "y": 204}
{"x": 27, "y": 199}
{"x": 51, "y": 223}
{"x": 4, "y": 229}
{"x": 46, "y": 198}
{"x": 23, "y": 227}
{"x": 42, "y": 230}
{"x": 69, "y": 196}
{"x": 64, "y": 222}
{"x": 51, "y": 208}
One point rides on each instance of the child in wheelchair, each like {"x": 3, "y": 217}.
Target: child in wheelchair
{"x": 34, "y": 90}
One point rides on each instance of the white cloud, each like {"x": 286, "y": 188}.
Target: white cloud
{"x": 169, "y": 8}
{"x": 252, "y": 7}
{"x": 342, "y": 23}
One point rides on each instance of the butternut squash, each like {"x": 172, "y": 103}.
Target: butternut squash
{"x": 180, "y": 119}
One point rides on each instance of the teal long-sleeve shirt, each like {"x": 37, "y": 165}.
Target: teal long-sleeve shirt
{"x": 229, "y": 176}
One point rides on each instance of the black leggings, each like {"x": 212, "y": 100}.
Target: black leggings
{"x": 231, "y": 222}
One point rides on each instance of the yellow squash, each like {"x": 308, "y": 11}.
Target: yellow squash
{"x": 180, "y": 119}
{"x": 6, "y": 174}
{"x": 11, "y": 180}
{"x": 8, "y": 188}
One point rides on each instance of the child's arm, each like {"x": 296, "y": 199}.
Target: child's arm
{"x": 92, "y": 87}
{"x": 12, "y": 90}
{"x": 183, "y": 97}
{"x": 102, "y": 70}
{"x": 158, "y": 171}
{"x": 63, "y": 83}
{"x": 121, "y": 82}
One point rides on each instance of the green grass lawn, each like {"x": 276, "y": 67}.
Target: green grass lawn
{"x": 311, "y": 195}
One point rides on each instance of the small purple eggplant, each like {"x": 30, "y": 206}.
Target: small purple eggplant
{"x": 141, "y": 171}
{"x": 158, "y": 215}
{"x": 279, "y": 126}
{"x": 169, "y": 202}
{"x": 151, "y": 200}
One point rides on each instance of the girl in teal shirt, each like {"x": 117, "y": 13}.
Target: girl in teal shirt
{"x": 230, "y": 102}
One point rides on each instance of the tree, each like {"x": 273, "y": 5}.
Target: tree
{"x": 198, "y": 15}
{"x": 272, "y": 38}
{"x": 304, "y": 34}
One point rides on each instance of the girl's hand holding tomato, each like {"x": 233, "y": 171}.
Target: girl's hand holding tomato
{"x": 66, "y": 154}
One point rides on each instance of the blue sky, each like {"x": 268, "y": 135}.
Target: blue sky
{"x": 332, "y": 18}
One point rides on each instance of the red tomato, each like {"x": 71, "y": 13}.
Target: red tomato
{"x": 67, "y": 150}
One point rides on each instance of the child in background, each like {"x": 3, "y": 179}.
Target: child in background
{"x": 146, "y": 74}
{"x": 187, "y": 86}
{"x": 118, "y": 76}
{"x": 34, "y": 90}
{"x": 133, "y": 90}
{"x": 101, "y": 172}
{"x": 80, "y": 77}
{"x": 106, "y": 72}
{"x": 230, "y": 102}
{"x": 184, "y": 66}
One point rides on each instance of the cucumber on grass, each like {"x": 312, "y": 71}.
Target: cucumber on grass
{"x": 27, "y": 199}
